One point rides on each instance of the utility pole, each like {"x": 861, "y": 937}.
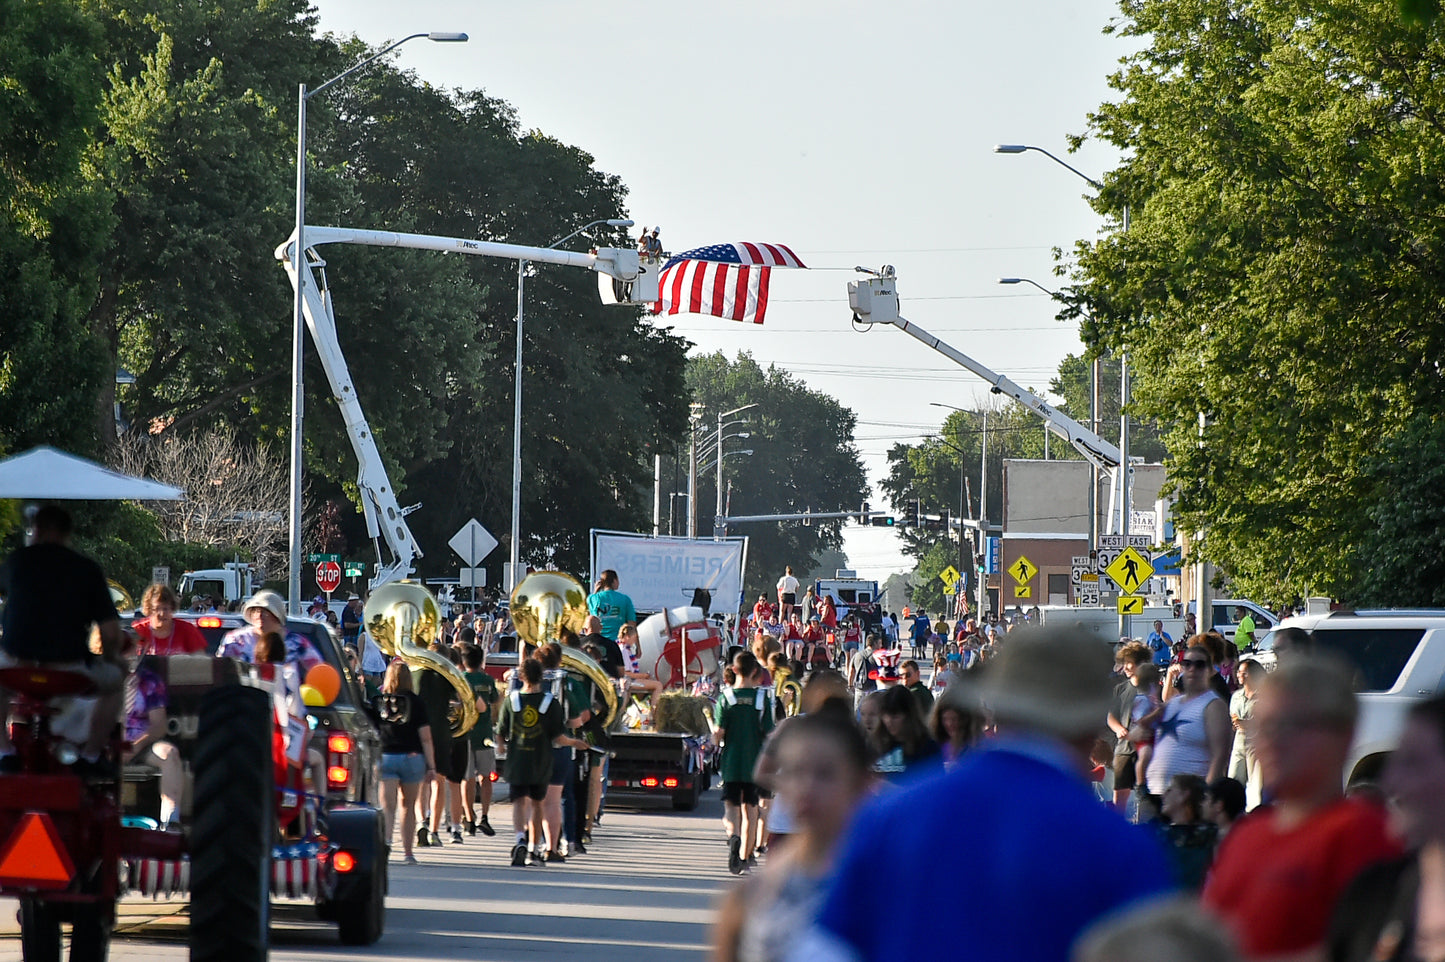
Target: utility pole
{"x": 983, "y": 515}
{"x": 656, "y": 495}
{"x": 692, "y": 481}
{"x": 694, "y": 420}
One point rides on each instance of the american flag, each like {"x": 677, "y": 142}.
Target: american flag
{"x": 723, "y": 280}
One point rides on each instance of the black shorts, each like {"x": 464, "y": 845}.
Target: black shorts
{"x": 1125, "y": 772}
{"x": 454, "y": 766}
{"x": 740, "y": 793}
{"x": 788, "y": 598}
{"x": 561, "y": 766}
{"x": 535, "y": 792}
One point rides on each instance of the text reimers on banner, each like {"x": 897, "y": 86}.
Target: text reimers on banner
{"x": 663, "y": 573}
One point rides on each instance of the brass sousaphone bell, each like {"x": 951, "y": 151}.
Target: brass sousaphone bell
{"x": 403, "y": 618}
{"x": 543, "y": 604}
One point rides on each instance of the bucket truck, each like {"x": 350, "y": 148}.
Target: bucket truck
{"x": 874, "y": 300}
{"x": 624, "y": 277}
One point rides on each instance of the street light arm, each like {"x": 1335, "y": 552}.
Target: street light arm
{"x": 609, "y": 221}
{"x": 1029, "y": 280}
{"x": 438, "y": 37}
{"x": 1023, "y": 148}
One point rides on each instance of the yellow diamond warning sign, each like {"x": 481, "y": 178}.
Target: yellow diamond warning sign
{"x": 1130, "y": 570}
{"x": 1023, "y": 571}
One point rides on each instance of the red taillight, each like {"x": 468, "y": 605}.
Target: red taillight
{"x": 649, "y": 782}
{"x": 337, "y": 776}
{"x": 341, "y": 744}
{"x": 344, "y": 862}
{"x": 209, "y": 621}
{"x": 669, "y": 782}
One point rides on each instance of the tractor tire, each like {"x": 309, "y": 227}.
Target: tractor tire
{"x": 362, "y": 921}
{"x": 89, "y": 934}
{"x": 39, "y": 932}
{"x": 234, "y": 827}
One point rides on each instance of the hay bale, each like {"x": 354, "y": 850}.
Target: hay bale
{"x": 682, "y": 714}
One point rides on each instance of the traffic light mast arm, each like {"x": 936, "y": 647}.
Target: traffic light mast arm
{"x": 875, "y": 301}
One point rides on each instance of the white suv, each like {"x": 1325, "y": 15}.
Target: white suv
{"x": 1399, "y": 659}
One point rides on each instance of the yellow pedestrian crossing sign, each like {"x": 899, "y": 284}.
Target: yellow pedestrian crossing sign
{"x": 1023, "y": 572}
{"x": 1130, "y": 570}
{"x": 949, "y": 576}
{"x": 1023, "y": 591}
{"x": 1131, "y": 604}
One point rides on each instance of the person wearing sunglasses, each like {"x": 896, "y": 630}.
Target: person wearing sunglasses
{"x": 1192, "y": 735}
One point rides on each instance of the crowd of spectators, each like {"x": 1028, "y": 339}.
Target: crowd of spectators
{"x": 1190, "y": 806}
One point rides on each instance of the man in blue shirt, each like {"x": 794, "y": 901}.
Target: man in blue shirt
{"x": 922, "y": 629}
{"x": 1161, "y": 644}
{"x": 1043, "y": 857}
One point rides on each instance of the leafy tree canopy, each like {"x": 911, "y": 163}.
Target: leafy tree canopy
{"x": 1279, "y": 287}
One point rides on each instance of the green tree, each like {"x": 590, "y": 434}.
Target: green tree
{"x": 53, "y": 226}
{"x": 1279, "y": 284}
{"x": 803, "y": 458}
{"x": 1402, "y": 558}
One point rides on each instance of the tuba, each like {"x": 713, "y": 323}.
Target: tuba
{"x": 544, "y": 604}
{"x": 403, "y": 618}
{"x": 783, "y": 683}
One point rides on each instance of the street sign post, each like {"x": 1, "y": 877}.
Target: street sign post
{"x": 161, "y": 575}
{"x": 1023, "y": 571}
{"x": 1130, "y": 570}
{"x": 318, "y": 558}
{"x": 472, "y": 578}
{"x": 1131, "y": 604}
{"x": 473, "y": 542}
{"x": 328, "y": 577}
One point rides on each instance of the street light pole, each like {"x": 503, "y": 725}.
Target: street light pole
{"x": 514, "y": 568}
{"x": 298, "y": 318}
{"x": 718, "y": 529}
{"x": 1125, "y": 470}
{"x": 1093, "y": 420}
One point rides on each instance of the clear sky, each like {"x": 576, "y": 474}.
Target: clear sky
{"x": 855, "y": 133}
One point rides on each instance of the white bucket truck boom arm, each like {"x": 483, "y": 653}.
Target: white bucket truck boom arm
{"x": 625, "y": 278}
{"x": 874, "y": 300}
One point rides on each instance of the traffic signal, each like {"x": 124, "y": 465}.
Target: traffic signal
{"x": 915, "y": 511}
{"x": 863, "y": 515}
{"x": 934, "y": 524}
{"x": 882, "y": 522}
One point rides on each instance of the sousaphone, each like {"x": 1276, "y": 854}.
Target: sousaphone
{"x": 403, "y": 618}
{"x": 544, "y": 604}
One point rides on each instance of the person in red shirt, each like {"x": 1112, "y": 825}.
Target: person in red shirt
{"x": 159, "y": 631}
{"x": 793, "y": 636}
{"x": 828, "y": 613}
{"x": 1281, "y": 870}
{"x": 762, "y": 611}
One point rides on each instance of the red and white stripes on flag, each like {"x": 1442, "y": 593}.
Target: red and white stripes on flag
{"x": 723, "y": 280}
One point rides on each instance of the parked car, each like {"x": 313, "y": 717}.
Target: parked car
{"x": 1399, "y": 659}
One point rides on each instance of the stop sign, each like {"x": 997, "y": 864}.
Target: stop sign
{"x": 328, "y": 576}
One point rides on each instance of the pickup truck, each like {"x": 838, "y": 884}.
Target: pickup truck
{"x": 1399, "y": 657}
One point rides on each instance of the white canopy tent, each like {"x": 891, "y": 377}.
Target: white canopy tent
{"x": 47, "y": 474}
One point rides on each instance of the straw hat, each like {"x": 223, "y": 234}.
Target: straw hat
{"x": 1056, "y": 680}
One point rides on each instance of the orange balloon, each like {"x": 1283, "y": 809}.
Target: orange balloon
{"x": 326, "y": 680}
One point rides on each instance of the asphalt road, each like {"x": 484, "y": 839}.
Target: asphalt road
{"x": 644, "y": 893}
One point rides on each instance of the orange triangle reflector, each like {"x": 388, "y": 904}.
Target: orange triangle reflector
{"x": 33, "y": 856}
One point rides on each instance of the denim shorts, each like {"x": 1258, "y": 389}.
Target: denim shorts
{"x": 407, "y": 769}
